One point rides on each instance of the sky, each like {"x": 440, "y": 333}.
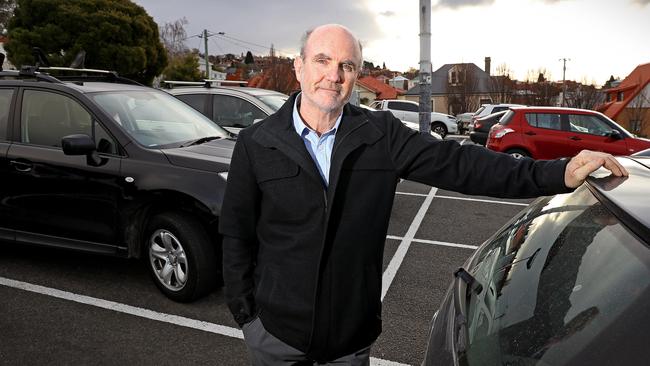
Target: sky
{"x": 599, "y": 38}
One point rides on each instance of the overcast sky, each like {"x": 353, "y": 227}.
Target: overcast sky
{"x": 600, "y": 37}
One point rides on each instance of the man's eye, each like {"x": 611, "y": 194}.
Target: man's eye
{"x": 321, "y": 61}
{"x": 348, "y": 68}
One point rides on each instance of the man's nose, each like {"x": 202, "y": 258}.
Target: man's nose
{"x": 333, "y": 73}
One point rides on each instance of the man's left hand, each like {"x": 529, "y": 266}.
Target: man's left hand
{"x": 586, "y": 162}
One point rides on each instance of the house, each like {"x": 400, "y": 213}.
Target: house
{"x": 399, "y": 82}
{"x": 371, "y": 89}
{"x": 214, "y": 75}
{"x": 628, "y": 103}
{"x": 458, "y": 88}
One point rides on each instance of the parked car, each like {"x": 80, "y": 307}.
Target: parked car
{"x": 482, "y": 127}
{"x": 411, "y": 125}
{"x": 407, "y": 110}
{"x": 464, "y": 120}
{"x": 487, "y": 109}
{"x": 101, "y": 164}
{"x": 553, "y": 132}
{"x": 232, "y": 108}
{"x": 565, "y": 282}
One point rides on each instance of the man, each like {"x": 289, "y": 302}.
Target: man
{"x": 309, "y": 196}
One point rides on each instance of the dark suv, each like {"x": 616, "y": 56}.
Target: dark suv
{"x": 565, "y": 282}
{"x": 102, "y": 164}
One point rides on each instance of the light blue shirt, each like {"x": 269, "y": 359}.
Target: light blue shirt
{"x": 319, "y": 147}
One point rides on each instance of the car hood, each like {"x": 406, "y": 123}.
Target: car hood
{"x": 213, "y": 155}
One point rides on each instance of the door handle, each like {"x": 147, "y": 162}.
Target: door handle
{"x": 575, "y": 138}
{"x": 530, "y": 133}
{"x": 21, "y": 166}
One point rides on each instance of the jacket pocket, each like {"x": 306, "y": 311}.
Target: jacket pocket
{"x": 276, "y": 169}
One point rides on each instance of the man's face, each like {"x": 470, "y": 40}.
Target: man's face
{"x": 329, "y": 68}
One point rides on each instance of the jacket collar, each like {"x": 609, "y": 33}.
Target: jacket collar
{"x": 354, "y": 130}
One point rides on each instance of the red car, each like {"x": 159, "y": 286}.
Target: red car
{"x": 550, "y": 132}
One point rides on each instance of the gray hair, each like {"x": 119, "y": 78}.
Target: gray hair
{"x": 307, "y": 34}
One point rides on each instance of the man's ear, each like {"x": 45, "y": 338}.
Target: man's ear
{"x": 297, "y": 65}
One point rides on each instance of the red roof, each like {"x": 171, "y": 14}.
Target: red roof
{"x": 383, "y": 91}
{"x": 631, "y": 86}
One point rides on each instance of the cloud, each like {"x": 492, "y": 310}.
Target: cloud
{"x": 455, "y": 4}
{"x": 641, "y": 2}
{"x": 263, "y": 23}
{"x": 388, "y": 13}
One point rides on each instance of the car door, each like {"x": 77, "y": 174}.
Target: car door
{"x": 398, "y": 110}
{"x": 6, "y": 95}
{"x": 234, "y": 113}
{"x": 54, "y": 198}
{"x": 543, "y": 135}
{"x": 590, "y": 132}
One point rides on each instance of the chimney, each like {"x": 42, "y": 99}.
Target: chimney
{"x": 487, "y": 65}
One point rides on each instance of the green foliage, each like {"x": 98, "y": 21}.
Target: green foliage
{"x": 183, "y": 68}
{"x": 116, "y": 35}
{"x": 249, "y": 58}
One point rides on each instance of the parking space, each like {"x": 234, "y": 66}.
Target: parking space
{"x": 62, "y": 307}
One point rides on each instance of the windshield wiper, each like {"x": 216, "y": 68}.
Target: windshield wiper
{"x": 463, "y": 284}
{"x": 200, "y": 141}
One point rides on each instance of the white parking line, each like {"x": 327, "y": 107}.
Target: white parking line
{"x": 400, "y": 253}
{"x": 435, "y": 242}
{"x": 465, "y": 199}
{"x": 146, "y": 313}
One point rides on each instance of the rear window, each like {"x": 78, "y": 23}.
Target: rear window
{"x": 505, "y": 120}
{"x": 562, "y": 281}
{"x": 544, "y": 120}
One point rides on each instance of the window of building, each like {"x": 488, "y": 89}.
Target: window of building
{"x": 619, "y": 96}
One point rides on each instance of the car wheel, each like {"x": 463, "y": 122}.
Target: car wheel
{"x": 439, "y": 128}
{"x": 518, "y": 154}
{"x": 180, "y": 256}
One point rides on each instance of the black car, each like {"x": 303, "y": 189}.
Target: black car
{"x": 565, "y": 282}
{"x": 482, "y": 127}
{"x": 231, "y": 107}
{"x": 101, "y": 164}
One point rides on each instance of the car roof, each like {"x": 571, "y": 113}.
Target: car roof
{"x": 221, "y": 89}
{"x": 98, "y": 86}
{"x": 627, "y": 197}
{"x": 556, "y": 109}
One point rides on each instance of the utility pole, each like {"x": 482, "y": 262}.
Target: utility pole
{"x": 425, "y": 66}
{"x": 207, "y": 64}
{"x": 564, "y": 60}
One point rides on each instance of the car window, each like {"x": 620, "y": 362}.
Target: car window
{"x": 555, "y": 280}
{"x": 274, "y": 101}
{"x": 588, "y": 124}
{"x": 47, "y": 117}
{"x": 544, "y": 120}
{"x": 396, "y": 105}
{"x": 5, "y": 105}
{"x": 196, "y": 101}
{"x": 231, "y": 111}
{"x": 498, "y": 109}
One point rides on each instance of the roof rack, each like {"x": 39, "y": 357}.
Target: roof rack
{"x": 206, "y": 83}
{"x": 36, "y": 72}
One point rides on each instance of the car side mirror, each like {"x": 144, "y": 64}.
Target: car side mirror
{"x": 614, "y": 135}
{"x": 81, "y": 144}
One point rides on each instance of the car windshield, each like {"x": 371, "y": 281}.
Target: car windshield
{"x": 561, "y": 280}
{"x": 155, "y": 119}
{"x": 275, "y": 101}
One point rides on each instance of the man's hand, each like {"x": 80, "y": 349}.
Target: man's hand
{"x": 586, "y": 162}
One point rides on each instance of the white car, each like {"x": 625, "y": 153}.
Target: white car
{"x": 411, "y": 125}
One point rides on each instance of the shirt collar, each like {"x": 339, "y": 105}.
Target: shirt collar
{"x": 301, "y": 128}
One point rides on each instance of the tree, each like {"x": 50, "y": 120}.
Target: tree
{"x": 173, "y": 36}
{"x": 184, "y": 67}
{"x": 115, "y": 34}
{"x": 6, "y": 12}
{"x": 249, "y": 60}
{"x": 502, "y": 86}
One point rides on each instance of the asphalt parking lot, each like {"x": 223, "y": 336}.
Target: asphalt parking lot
{"x": 60, "y": 307}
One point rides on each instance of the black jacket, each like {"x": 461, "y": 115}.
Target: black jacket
{"x": 308, "y": 258}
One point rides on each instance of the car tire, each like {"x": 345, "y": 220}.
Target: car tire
{"x": 180, "y": 256}
{"x": 518, "y": 153}
{"x": 439, "y": 128}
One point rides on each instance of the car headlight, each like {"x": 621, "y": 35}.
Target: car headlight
{"x": 224, "y": 175}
